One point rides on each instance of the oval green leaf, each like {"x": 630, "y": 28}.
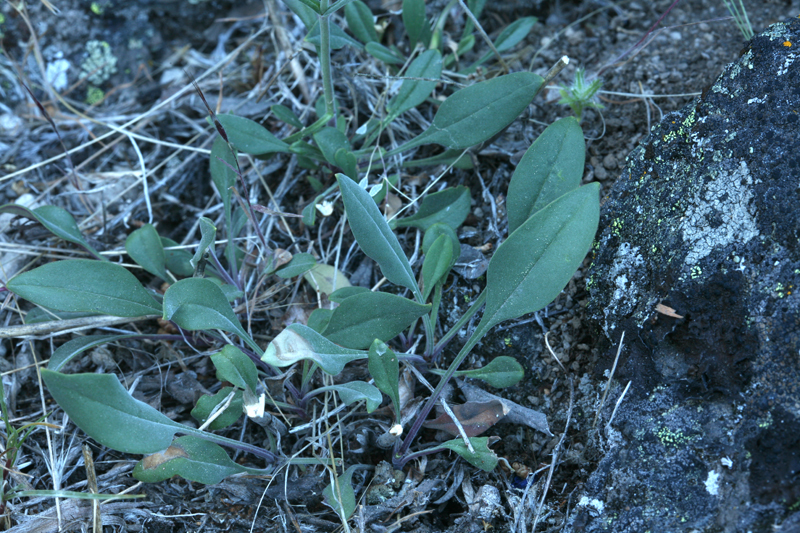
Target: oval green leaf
{"x": 297, "y": 266}
{"x": 535, "y": 263}
{"x": 477, "y": 113}
{"x": 298, "y": 342}
{"x": 437, "y": 263}
{"x": 207, "y": 403}
{"x": 374, "y": 236}
{"x": 550, "y": 168}
{"x": 384, "y": 367}
{"x": 362, "y": 318}
{"x": 84, "y": 285}
{"x": 250, "y": 137}
{"x": 360, "y": 21}
{"x": 101, "y": 407}
{"x": 144, "y": 246}
{"x": 483, "y": 457}
{"x": 236, "y": 368}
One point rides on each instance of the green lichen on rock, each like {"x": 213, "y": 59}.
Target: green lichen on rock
{"x": 100, "y": 64}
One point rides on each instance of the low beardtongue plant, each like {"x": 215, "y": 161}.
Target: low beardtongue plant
{"x": 552, "y": 220}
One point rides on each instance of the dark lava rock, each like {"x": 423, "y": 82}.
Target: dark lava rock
{"x": 698, "y": 262}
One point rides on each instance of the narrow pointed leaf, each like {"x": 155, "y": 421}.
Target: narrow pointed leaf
{"x": 382, "y": 53}
{"x": 374, "y": 236}
{"x": 414, "y": 20}
{"x": 222, "y": 166}
{"x": 384, "y": 367}
{"x": 99, "y": 405}
{"x": 144, "y": 246}
{"x": 287, "y": 115}
{"x": 550, "y": 168}
{"x": 437, "y": 263}
{"x": 364, "y": 317}
{"x": 191, "y": 458}
{"x": 360, "y": 21}
{"x": 208, "y": 232}
{"x": 483, "y": 458}
{"x": 413, "y": 91}
{"x": 57, "y": 220}
{"x": 535, "y": 263}
{"x": 236, "y": 368}
{"x": 342, "y": 499}
{"x": 500, "y": 373}
{"x": 477, "y": 113}
{"x": 251, "y": 137}
{"x": 450, "y": 206}
{"x": 298, "y": 342}
{"x": 85, "y": 285}
{"x": 74, "y": 347}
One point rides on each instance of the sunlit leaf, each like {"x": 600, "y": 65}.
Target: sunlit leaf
{"x": 85, "y": 285}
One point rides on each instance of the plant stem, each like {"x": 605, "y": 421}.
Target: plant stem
{"x": 325, "y": 57}
{"x": 399, "y": 458}
{"x": 461, "y": 321}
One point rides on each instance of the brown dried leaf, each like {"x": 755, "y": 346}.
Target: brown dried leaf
{"x": 475, "y": 418}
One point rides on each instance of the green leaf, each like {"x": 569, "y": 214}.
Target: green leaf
{"x": 414, "y": 91}
{"x": 414, "y": 20}
{"x": 329, "y": 140}
{"x": 339, "y": 39}
{"x": 74, "y": 347}
{"x": 223, "y": 172}
{"x": 178, "y": 261}
{"x": 355, "y": 391}
{"x": 374, "y": 236}
{"x": 509, "y": 37}
{"x": 340, "y": 495}
{"x": 347, "y": 161}
{"x": 550, "y": 168}
{"x": 207, "y": 403}
{"x": 58, "y": 221}
{"x": 483, "y": 458}
{"x": 384, "y": 367}
{"x": 477, "y": 113}
{"x": 500, "y": 373}
{"x": 456, "y": 158}
{"x": 208, "y": 232}
{"x": 536, "y": 261}
{"x": 236, "y": 368}
{"x": 437, "y": 263}
{"x": 384, "y": 54}
{"x": 318, "y": 319}
{"x": 360, "y": 21}
{"x": 340, "y": 295}
{"x": 144, "y": 247}
{"x": 298, "y": 342}
{"x": 198, "y": 304}
{"x": 285, "y": 114}
{"x": 85, "y": 285}
{"x": 364, "y": 317}
{"x": 99, "y": 405}
{"x": 297, "y": 266}
{"x": 307, "y": 10}
{"x": 190, "y": 458}
{"x": 450, "y": 206}
{"x": 433, "y": 233}
{"x": 251, "y": 137}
